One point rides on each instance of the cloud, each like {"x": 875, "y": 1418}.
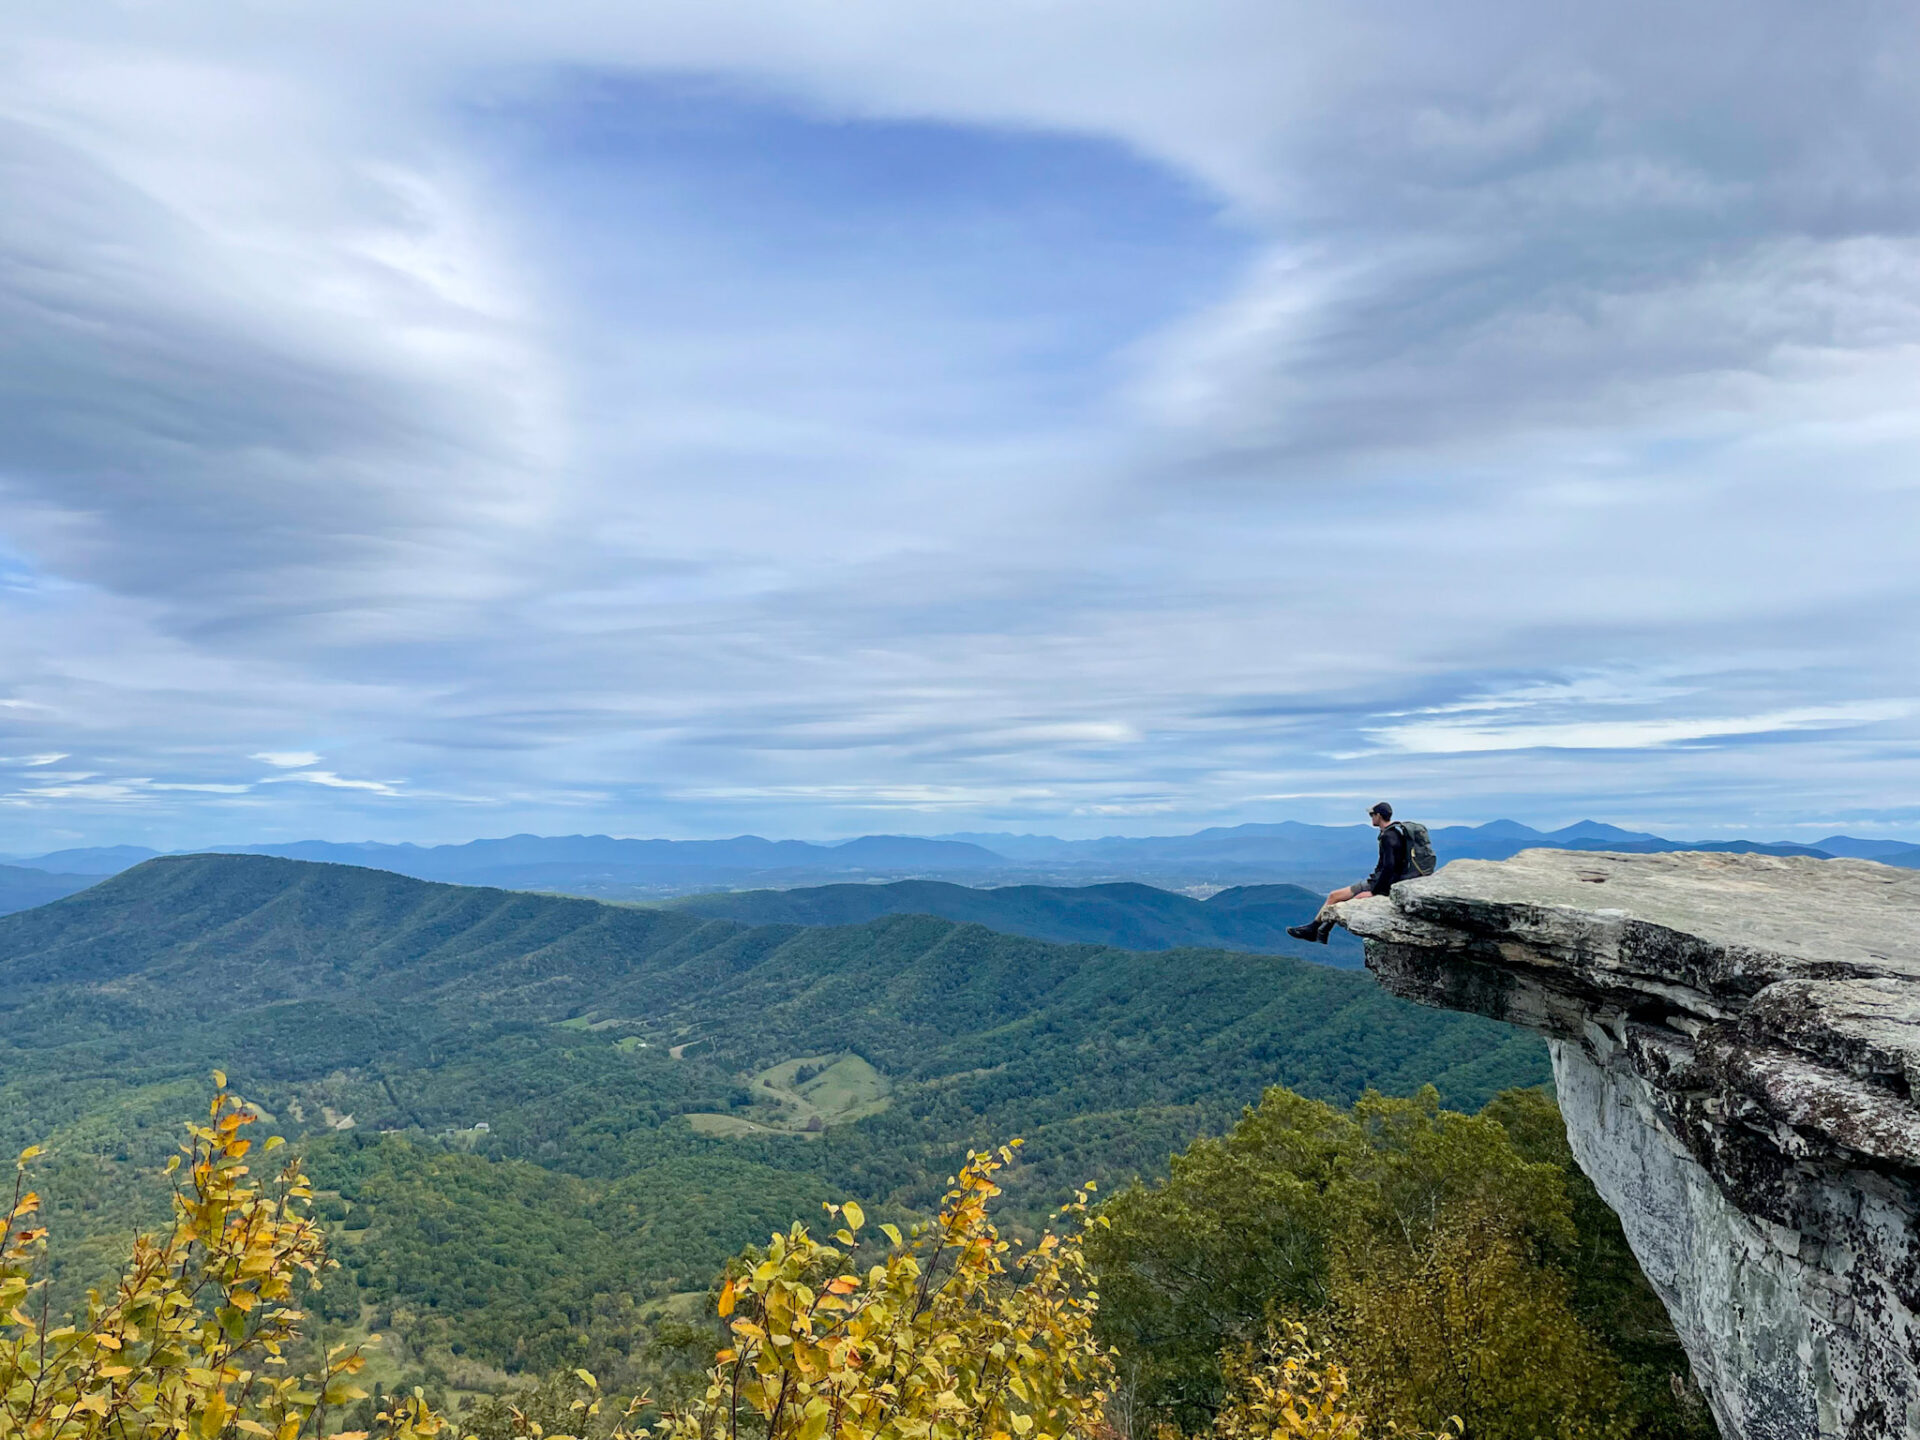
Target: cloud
{"x": 288, "y": 759}
{"x": 727, "y": 418}
{"x": 1465, "y": 737}
{"x": 94, "y": 788}
{"x": 336, "y": 782}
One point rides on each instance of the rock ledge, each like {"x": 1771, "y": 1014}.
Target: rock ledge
{"x": 1736, "y": 1043}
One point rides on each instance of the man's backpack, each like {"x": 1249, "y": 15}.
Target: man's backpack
{"x": 1420, "y": 857}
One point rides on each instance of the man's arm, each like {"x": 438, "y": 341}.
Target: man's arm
{"x": 1381, "y": 876}
{"x": 1393, "y": 856}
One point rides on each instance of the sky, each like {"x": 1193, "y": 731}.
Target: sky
{"x": 692, "y": 419}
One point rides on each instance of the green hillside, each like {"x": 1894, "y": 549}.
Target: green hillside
{"x": 1134, "y": 917}
{"x": 536, "y": 1119}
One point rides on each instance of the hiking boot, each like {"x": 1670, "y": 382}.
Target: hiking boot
{"x": 1304, "y": 932}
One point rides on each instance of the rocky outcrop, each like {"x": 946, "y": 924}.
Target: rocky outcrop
{"x": 1736, "y": 1042}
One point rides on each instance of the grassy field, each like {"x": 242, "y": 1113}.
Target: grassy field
{"x": 803, "y": 1096}
{"x": 731, "y": 1127}
{"x": 845, "y": 1089}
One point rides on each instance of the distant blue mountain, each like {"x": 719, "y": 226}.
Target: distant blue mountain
{"x": 23, "y": 887}
{"x": 95, "y": 860}
{"x": 1503, "y": 838}
{"x": 1290, "y": 849}
{"x": 1887, "y": 852}
{"x": 1286, "y": 852}
{"x": 1287, "y": 842}
{"x": 1587, "y": 830}
{"x": 609, "y": 868}
{"x": 898, "y": 850}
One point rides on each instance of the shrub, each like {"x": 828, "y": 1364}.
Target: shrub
{"x": 948, "y": 1331}
{"x": 195, "y": 1338}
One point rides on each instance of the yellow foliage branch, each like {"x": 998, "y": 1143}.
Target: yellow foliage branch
{"x": 194, "y": 1339}
{"x": 951, "y": 1333}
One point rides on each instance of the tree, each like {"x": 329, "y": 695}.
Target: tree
{"x": 1190, "y": 1268}
{"x": 1606, "y": 1288}
{"x": 1461, "y": 1323}
{"x": 1359, "y": 1221}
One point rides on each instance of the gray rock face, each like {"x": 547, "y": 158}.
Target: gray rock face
{"x": 1736, "y": 1041}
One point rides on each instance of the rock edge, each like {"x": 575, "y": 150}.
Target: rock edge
{"x": 1736, "y": 1044}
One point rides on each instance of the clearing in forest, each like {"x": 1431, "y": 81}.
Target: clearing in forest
{"x": 803, "y": 1096}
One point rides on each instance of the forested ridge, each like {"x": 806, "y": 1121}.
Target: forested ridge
{"x": 538, "y": 1125}
{"x": 1129, "y": 915}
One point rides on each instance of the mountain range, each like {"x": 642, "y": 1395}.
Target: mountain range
{"x": 516, "y": 1106}
{"x": 22, "y": 887}
{"x": 1126, "y": 915}
{"x": 1316, "y": 856}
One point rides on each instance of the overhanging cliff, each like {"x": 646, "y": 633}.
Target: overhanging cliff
{"x": 1736, "y": 1043}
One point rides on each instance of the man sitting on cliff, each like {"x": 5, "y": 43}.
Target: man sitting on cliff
{"x": 1396, "y": 863}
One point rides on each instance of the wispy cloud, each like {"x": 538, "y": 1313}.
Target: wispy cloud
{"x": 337, "y": 782}
{"x": 113, "y": 790}
{"x": 1466, "y": 737}
{"x": 1207, "y": 419}
{"x": 288, "y": 759}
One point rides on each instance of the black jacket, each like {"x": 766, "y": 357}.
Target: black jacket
{"x": 1393, "y": 861}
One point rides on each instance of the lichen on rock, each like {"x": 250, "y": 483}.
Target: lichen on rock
{"x": 1736, "y": 1044}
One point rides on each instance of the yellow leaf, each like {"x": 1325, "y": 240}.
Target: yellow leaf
{"x": 854, "y": 1215}
{"x": 726, "y": 1300}
{"x": 220, "y": 1079}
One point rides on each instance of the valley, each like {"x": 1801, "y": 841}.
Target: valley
{"x": 634, "y": 1093}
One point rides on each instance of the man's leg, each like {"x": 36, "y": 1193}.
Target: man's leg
{"x": 1321, "y": 926}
